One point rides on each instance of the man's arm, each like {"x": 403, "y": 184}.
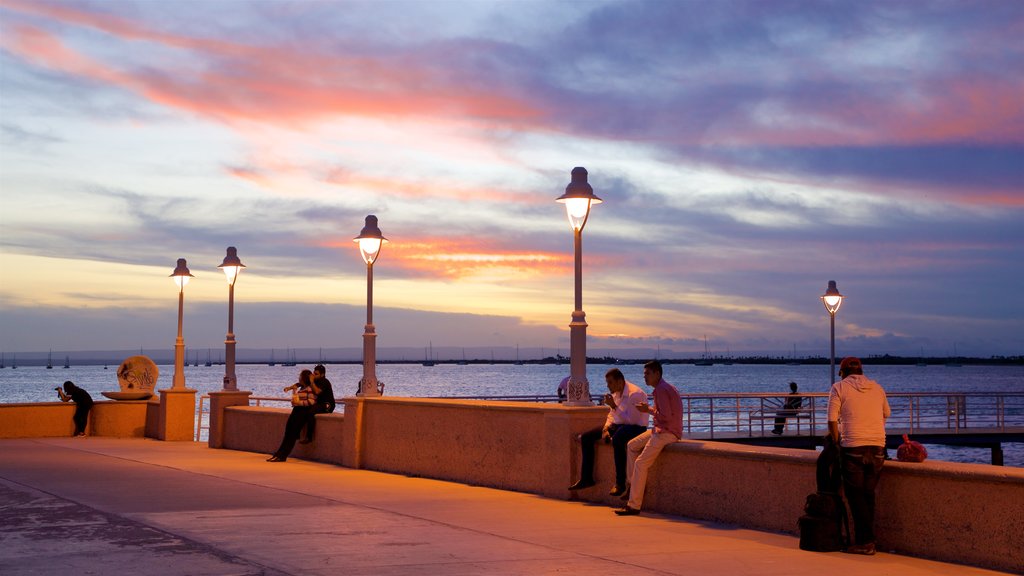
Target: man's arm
{"x": 833, "y": 430}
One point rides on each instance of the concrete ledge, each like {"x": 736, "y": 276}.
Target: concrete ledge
{"x": 118, "y": 419}
{"x": 964, "y": 513}
{"x": 260, "y": 429}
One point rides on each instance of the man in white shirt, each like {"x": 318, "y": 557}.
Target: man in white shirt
{"x": 624, "y": 423}
{"x": 857, "y": 410}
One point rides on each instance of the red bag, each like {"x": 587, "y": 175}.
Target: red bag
{"x": 911, "y": 451}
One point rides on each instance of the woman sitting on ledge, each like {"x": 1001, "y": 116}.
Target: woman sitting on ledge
{"x": 304, "y": 394}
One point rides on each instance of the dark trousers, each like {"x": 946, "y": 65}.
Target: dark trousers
{"x": 780, "y": 420}
{"x": 81, "y": 417}
{"x": 292, "y": 428}
{"x": 862, "y": 466}
{"x": 317, "y": 408}
{"x": 621, "y": 435}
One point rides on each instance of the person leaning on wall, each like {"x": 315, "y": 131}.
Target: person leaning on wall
{"x": 83, "y": 404}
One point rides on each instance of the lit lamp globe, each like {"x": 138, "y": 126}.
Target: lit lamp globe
{"x": 231, "y": 265}
{"x": 370, "y": 240}
{"x": 832, "y": 298}
{"x": 578, "y": 198}
{"x": 181, "y": 274}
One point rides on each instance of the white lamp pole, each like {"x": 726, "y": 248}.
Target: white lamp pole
{"x": 370, "y": 240}
{"x": 181, "y": 276}
{"x": 832, "y": 300}
{"x": 232, "y": 267}
{"x": 578, "y": 198}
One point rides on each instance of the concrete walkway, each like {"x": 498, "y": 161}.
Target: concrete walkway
{"x": 113, "y": 506}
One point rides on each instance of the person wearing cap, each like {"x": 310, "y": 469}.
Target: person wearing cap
{"x": 857, "y": 411}
{"x": 793, "y": 403}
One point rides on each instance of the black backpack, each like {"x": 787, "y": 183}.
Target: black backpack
{"x": 824, "y": 527}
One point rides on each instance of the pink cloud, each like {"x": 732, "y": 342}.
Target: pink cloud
{"x": 279, "y": 84}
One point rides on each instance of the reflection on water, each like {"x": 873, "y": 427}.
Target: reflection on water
{"x": 36, "y": 383}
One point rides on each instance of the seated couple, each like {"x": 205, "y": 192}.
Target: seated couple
{"x": 311, "y": 395}
{"x": 634, "y": 446}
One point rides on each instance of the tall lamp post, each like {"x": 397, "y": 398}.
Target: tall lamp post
{"x": 181, "y": 276}
{"x": 832, "y": 300}
{"x": 578, "y": 198}
{"x": 232, "y": 267}
{"x": 370, "y": 240}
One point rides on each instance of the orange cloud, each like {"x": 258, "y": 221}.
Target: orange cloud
{"x": 238, "y": 82}
{"x": 450, "y": 259}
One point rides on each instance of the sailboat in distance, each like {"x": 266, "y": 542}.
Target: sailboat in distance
{"x": 429, "y": 355}
{"x": 706, "y": 359}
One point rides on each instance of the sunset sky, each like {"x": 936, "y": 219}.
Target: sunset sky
{"x": 747, "y": 153}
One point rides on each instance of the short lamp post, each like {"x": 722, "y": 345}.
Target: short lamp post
{"x": 232, "y": 267}
{"x": 832, "y": 300}
{"x": 181, "y": 276}
{"x": 578, "y": 198}
{"x": 370, "y": 240}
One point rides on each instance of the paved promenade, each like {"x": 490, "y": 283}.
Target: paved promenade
{"x": 114, "y": 506}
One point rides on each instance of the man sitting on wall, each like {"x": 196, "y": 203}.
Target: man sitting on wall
{"x": 324, "y": 401}
{"x": 624, "y": 423}
{"x": 644, "y": 449}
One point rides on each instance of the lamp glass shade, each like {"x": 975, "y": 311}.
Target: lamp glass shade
{"x": 181, "y": 281}
{"x": 577, "y": 210}
{"x": 832, "y": 302}
{"x": 231, "y": 272}
{"x": 369, "y": 248}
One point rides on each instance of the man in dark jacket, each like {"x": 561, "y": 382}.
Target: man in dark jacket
{"x": 324, "y": 401}
{"x": 83, "y": 403}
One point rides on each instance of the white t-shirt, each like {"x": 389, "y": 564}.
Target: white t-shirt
{"x": 860, "y": 407}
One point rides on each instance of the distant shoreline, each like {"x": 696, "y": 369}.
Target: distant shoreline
{"x": 163, "y": 358}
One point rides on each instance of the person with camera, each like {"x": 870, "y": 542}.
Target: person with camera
{"x": 83, "y": 404}
{"x": 624, "y": 423}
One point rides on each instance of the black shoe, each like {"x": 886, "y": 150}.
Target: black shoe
{"x": 305, "y": 441}
{"x": 865, "y": 549}
{"x": 777, "y": 432}
{"x": 627, "y": 511}
{"x": 276, "y": 458}
{"x": 581, "y": 484}
{"x": 617, "y": 490}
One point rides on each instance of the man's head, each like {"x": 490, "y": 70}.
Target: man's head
{"x": 615, "y": 380}
{"x": 652, "y": 373}
{"x": 792, "y": 386}
{"x": 850, "y": 365}
{"x": 319, "y": 371}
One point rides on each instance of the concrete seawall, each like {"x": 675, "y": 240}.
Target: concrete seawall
{"x": 47, "y": 419}
{"x": 964, "y": 513}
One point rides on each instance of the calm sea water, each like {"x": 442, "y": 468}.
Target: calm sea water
{"x": 36, "y": 383}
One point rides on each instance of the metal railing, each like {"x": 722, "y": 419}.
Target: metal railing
{"x": 203, "y": 412}
{"x": 753, "y": 414}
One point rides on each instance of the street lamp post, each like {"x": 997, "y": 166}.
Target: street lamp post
{"x": 232, "y": 267}
{"x": 578, "y": 198}
{"x": 370, "y": 240}
{"x": 181, "y": 276}
{"x": 832, "y": 300}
